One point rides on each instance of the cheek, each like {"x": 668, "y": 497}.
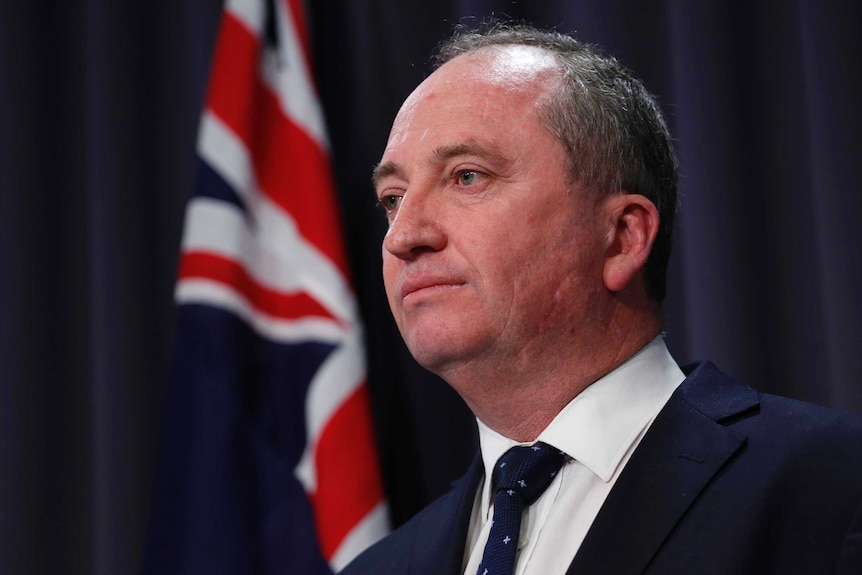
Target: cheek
{"x": 554, "y": 268}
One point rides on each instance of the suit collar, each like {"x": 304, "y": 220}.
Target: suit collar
{"x": 682, "y": 451}
{"x": 716, "y": 395}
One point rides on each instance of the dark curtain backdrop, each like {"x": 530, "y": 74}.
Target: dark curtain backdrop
{"x": 99, "y": 105}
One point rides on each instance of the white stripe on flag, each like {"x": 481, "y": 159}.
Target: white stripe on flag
{"x": 251, "y": 13}
{"x": 368, "y": 531}
{"x": 289, "y": 78}
{"x": 227, "y": 155}
{"x": 286, "y": 72}
{"x": 222, "y": 296}
{"x": 273, "y": 253}
{"x": 341, "y": 374}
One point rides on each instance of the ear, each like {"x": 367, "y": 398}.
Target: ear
{"x": 634, "y": 226}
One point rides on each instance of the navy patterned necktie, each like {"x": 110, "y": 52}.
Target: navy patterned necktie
{"x": 521, "y": 475}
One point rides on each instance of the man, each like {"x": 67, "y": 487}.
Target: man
{"x": 530, "y": 186}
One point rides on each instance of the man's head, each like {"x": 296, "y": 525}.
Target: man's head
{"x": 506, "y": 251}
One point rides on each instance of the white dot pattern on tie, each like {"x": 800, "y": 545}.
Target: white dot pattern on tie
{"x": 521, "y": 475}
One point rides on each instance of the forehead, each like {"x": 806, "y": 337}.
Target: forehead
{"x": 512, "y": 66}
{"x": 476, "y": 94}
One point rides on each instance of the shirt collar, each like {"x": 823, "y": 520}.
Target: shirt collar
{"x": 599, "y": 426}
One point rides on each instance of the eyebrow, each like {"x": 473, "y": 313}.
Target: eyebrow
{"x": 441, "y": 154}
{"x": 383, "y": 170}
{"x": 469, "y": 148}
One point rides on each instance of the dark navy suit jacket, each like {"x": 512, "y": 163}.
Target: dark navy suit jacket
{"x": 725, "y": 482}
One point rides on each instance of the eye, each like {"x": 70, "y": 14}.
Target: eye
{"x": 467, "y": 177}
{"x": 390, "y": 203}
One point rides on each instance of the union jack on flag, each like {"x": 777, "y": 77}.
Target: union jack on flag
{"x": 268, "y": 462}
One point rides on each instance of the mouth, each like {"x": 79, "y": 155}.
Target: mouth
{"x": 419, "y": 287}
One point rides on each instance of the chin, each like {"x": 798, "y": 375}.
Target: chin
{"x": 433, "y": 359}
{"x": 429, "y": 349}
{"x": 439, "y": 338}
{"x": 441, "y": 354}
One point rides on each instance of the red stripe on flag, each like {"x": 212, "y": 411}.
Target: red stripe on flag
{"x": 348, "y": 478}
{"x": 271, "y": 302}
{"x": 233, "y": 80}
{"x": 290, "y": 168}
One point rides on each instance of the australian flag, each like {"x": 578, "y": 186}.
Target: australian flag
{"x": 267, "y": 463}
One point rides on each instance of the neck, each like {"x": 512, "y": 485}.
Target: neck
{"x": 520, "y": 395}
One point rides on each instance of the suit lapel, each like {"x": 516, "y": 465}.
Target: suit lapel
{"x": 439, "y": 549}
{"x": 683, "y": 449}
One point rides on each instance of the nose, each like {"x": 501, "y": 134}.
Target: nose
{"x": 417, "y": 227}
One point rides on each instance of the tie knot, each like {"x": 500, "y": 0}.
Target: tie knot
{"x": 527, "y": 470}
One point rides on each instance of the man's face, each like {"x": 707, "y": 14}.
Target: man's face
{"x": 492, "y": 254}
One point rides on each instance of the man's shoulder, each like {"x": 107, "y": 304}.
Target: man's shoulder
{"x": 780, "y": 424}
{"x": 706, "y": 385}
{"x": 760, "y": 483}
{"x": 822, "y": 435}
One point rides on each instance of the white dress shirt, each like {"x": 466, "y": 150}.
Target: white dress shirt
{"x": 599, "y": 429}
